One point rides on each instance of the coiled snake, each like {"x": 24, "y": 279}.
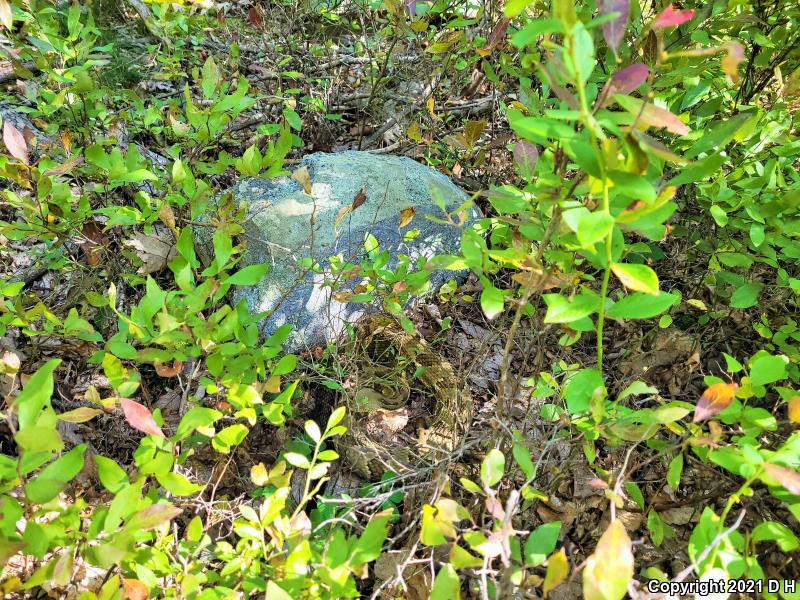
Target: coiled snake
{"x": 386, "y": 364}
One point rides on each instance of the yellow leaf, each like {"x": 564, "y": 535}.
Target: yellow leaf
{"x": 259, "y": 475}
{"x": 273, "y": 385}
{"x": 609, "y": 570}
{"x": 406, "y": 215}
{"x": 430, "y": 105}
{"x": 414, "y": 133}
{"x": 557, "y": 569}
{"x": 698, "y": 304}
{"x": 6, "y": 17}
{"x": 303, "y": 177}
{"x": 167, "y": 216}
{"x": 794, "y": 409}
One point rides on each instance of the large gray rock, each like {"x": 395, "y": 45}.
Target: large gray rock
{"x": 279, "y": 232}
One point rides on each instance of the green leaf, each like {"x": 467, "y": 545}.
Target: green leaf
{"x": 522, "y": 456}
{"x": 229, "y": 437}
{"x": 211, "y": 77}
{"x": 746, "y": 295}
{"x": 562, "y": 310}
{"x": 539, "y": 129}
{"x": 491, "y": 301}
{"x": 36, "y": 394}
{"x": 642, "y": 306}
{"x": 312, "y": 430}
{"x": 639, "y": 278}
{"x": 580, "y": 388}
{"x": 768, "y": 369}
{"x": 284, "y": 366}
{"x": 177, "y": 485}
{"x": 696, "y": 172}
{"x": 776, "y": 532}
{"x": 674, "y": 472}
{"x": 198, "y": 417}
{"x": 336, "y": 417}
{"x": 50, "y": 480}
{"x": 297, "y": 460}
{"x": 111, "y": 475}
{"x": 541, "y": 543}
{"x": 369, "y": 544}
{"x": 635, "y": 493}
{"x": 446, "y": 586}
{"x": 493, "y": 467}
{"x": 634, "y": 186}
{"x": 251, "y": 275}
{"x": 593, "y": 227}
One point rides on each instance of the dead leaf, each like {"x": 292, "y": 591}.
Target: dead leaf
{"x": 167, "y": 216}
{"x": 165, "y": 371}
{"x": 6, "y": 16}
{"x": 139, "y": 417}
{"x": 15, "y": 142}
{"x": 359, "y": 199}
{"x": 253, "y": 17}
{"x": 303, "y": 177}
{"x": 794, "y": 409}
{"x": 340, "y": 216}
{"x": 154, "y": 249}
{"x": 786, "y": 477}
{"x": 92, "y": 242}
{"x": 714, "y": 400}
{"x": 406, "y": 215}
{"x": 65, "y": 167}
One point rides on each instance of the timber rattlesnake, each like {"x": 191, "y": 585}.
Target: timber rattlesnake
{"x": 389, "y": 363}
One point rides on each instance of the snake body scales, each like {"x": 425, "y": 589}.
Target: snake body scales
{"x": 388, "y": 364}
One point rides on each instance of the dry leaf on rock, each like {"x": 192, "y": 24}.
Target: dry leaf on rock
{"x": 154, "y": 249}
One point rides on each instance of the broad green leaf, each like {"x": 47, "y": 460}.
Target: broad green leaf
{"x": 197, "y": 417}
{"x": 634, "y": 186}
{"x": 642, "y": 306}
{"x": 369, "y": 544}
{"x": 593, "y": 227}
{"x": 580, "y": 389}
{"x": 675, "y": 471}
{"x": 35, "y": 394}
{"x": 177, "y": 485}
{"x": 251, "y": 275}
{"x": 562, "y": 310}
{"x": 111, "y": 475}
{"x": 446, "y": 585}
{"x": 768, "y": 369}
{"x": 747, "y": 295}
{"x": 639, "y": 278}
{"x": 541, "y": 543}
{"x": 228, "y": 438}
{"x": 491, "y": 301}
{"x": 493, "y": 467}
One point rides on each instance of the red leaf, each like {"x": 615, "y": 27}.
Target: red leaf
{"x": 525, "y": 157}
{"x": 714, "y": 400}
{"x": 670, "y": 17}
{"x": 15, "y": 142}
{"x": 139, "y": 417}
{"x": 614, "y": 30}
{"x": 135, "y": 589}
{"x": 624, "y": 81}
{"x": 253, "y": 17}
{"x": 788, "y": 478}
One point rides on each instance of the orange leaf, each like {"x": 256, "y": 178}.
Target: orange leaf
{"x": 788, "y": 478}
{"x": 15, "y": 142}
{"x": 253, "y": 17}
{"x": 139, "y": 417}
{"x": 135, "y": 589}
{"x": 714, "y": 400}
{"x": 794, "y": 409}
{"x": 166, "y": 371}
{"x": 730, "y": 62}
{"x": 406, "y": 215}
